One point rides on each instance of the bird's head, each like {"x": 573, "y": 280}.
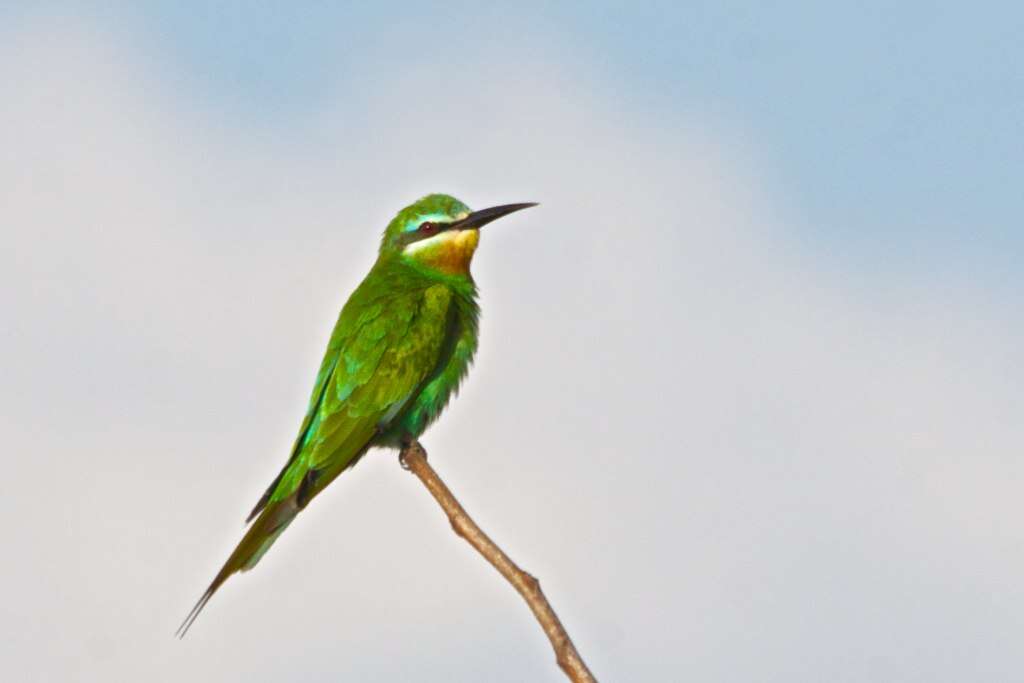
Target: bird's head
{"x": 439, "y": 232}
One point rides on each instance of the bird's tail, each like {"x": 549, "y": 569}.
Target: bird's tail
{"x": 271, "y": 523}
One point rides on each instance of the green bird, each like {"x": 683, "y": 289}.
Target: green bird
{"x": 403, "y": 342}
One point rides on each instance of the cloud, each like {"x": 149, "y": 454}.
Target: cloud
{"x": 724, "y": 455}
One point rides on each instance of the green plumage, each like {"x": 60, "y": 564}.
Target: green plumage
{"x": 399, "y": 349}
{"x": 402, "y": 344}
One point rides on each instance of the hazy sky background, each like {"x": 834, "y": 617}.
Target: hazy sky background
{"x": 748, "y": 399}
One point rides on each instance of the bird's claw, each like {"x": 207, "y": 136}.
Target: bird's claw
{"x": 408, "y": 446}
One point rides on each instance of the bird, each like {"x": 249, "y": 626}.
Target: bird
{"x": 402, "y": 345}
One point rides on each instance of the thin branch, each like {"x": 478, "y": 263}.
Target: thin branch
{"x": 414, "y": 459}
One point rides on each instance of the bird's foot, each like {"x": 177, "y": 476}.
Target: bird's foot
{"x": 410, "y": 446}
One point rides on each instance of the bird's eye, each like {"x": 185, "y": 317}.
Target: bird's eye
{"x": 428, "y": 227}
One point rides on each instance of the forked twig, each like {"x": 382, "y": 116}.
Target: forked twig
{"x": 414, "y": 458}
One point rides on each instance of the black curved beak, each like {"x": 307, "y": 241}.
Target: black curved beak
{"x": 479, "y": 219}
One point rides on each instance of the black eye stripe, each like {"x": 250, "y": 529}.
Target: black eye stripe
{"x": 423, "y": 231}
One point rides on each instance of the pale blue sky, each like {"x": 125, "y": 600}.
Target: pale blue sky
{"x": 748, "y": 395}
{"x": 895, "y": 129}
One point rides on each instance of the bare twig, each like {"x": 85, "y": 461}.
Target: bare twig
{"x": 414, "y": 459}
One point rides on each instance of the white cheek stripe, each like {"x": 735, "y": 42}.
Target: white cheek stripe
{"x": 414, "y": 247}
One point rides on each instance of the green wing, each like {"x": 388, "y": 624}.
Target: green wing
{"x": 379, "y": 354}
{"x": 322, "y": 378}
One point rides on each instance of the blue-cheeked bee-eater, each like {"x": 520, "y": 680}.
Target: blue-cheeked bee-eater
{"x": 403, "y": 342}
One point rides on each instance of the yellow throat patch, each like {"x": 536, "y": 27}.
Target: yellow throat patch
{"x": 448, "y": 252}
